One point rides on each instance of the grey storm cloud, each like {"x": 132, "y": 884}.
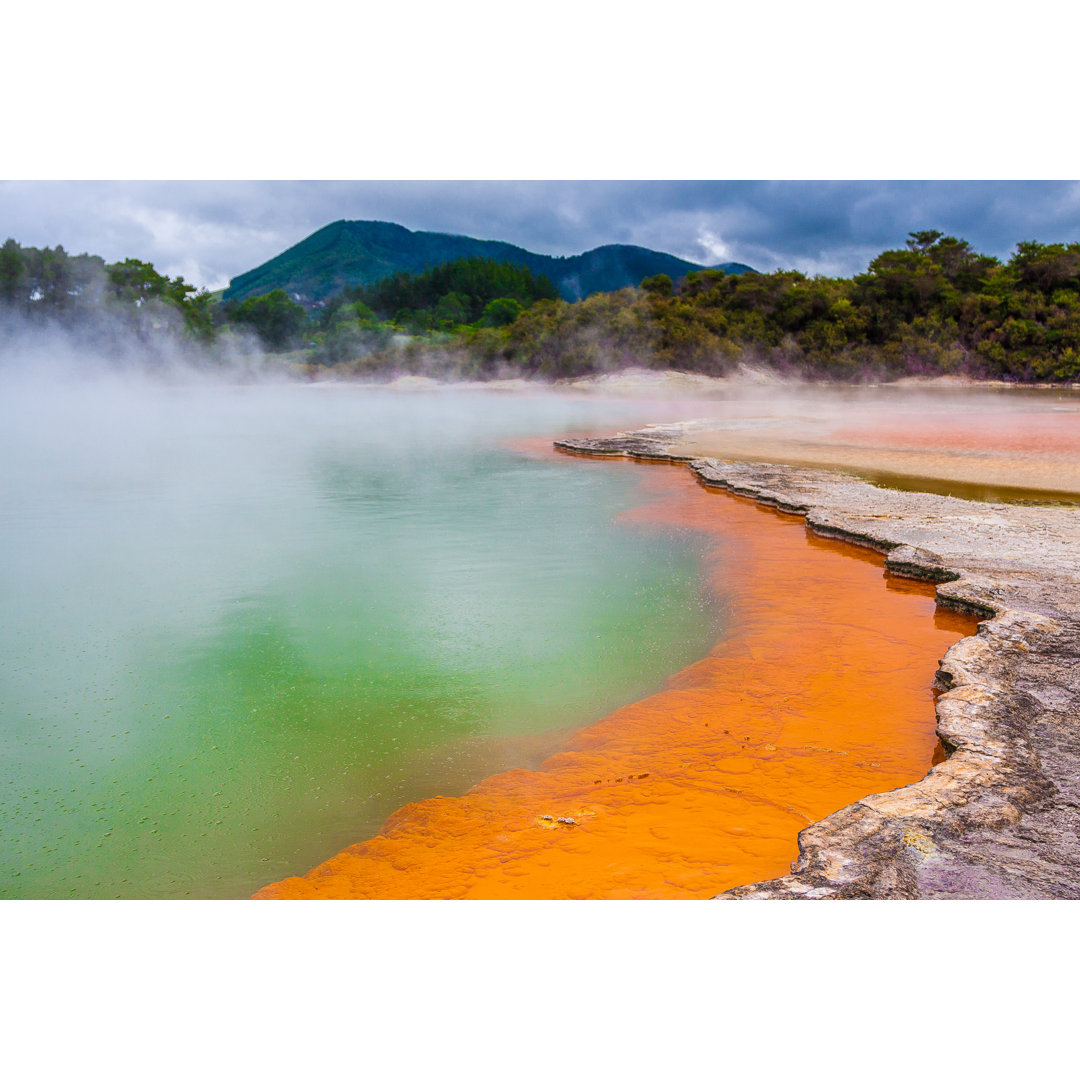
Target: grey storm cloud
{"x": 210, "y": 231}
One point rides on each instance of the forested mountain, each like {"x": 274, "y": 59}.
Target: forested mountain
{"x": 349, "y": 253}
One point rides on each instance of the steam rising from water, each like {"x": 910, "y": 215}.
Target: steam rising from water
{"x": 246, "y": 618}
{"x": 99, "y": 345}
{"x": 244, "y": 622}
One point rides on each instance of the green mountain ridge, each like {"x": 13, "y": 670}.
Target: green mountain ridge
{"x": 348, "y": 253}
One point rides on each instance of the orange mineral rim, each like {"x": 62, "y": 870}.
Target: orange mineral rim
{"x": 819, "y": 693}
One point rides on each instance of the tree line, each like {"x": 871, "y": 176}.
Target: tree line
{"x": 48, "y": 284}
{"x": 366, "y": 319}
{"x": 935, "y": 306}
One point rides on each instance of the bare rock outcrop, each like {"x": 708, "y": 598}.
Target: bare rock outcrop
{"x": 1000, "y": 817}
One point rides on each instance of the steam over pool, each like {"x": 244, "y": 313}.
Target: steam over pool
{"x": 243, "y": 624}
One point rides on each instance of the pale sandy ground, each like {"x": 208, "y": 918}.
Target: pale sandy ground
{"x": 946, "y": 435}
{"x": 965, "y": 439}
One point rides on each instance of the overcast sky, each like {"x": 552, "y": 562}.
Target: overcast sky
{"x": 211, "y": 231}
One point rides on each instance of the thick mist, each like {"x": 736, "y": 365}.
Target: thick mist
{"x": 247, "y": 617}
{"x": 101, "y": 344}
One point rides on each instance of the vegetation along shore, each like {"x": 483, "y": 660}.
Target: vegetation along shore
{"x": 933, "y": 307}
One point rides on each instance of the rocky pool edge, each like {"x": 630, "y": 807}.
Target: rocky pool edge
{"x": 1000, "y": 817}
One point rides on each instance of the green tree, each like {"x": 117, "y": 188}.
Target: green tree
{"x": 659, "y": 285}
{"x": 12, "y": 274}
{"x": 134, "y": 281}
{"x": 1047, "y": 266}
{"x": 923, "y": 241}
{"x": 451, "y": 310}
{"x": 501, "y": 312}
{"x": 278, "y": 320}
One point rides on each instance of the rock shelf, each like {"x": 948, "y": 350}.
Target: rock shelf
{"x": 1000, "y": 817}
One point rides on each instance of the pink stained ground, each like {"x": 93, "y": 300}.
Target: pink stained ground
{"x": 968, "y": 442}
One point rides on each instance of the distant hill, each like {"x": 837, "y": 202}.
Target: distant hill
{"x": 361, "y": 252}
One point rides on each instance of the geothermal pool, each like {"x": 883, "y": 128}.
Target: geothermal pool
{"x": 242, "y": 625}
{"x": 819, "y": 692}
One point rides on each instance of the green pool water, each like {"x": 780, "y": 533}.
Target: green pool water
{"x": 241, "y": 625}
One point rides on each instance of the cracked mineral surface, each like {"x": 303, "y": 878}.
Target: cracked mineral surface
{"x": 999, "y": 818}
